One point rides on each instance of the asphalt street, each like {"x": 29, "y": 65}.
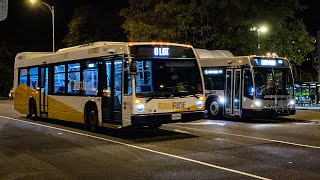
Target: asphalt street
{"x": 282, "y": 148}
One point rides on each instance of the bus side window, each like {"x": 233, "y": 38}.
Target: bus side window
{"x": 74, "y": 78}
{"x": 23, "y": 76}
{"x": 248, "y": 84}
{"x": 59, "y": 79}
{"x": 90, "y": 79}
{"x": 127, "y": 79}
{"x": 34, "y": 80}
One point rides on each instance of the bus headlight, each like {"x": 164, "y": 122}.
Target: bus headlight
{"x": 140, "y": 107}
{"x": 199, "y": 103}
{"x": 257, "y": 103}
{"x": 292, "y": 103}
{"x": 221, "y": 99}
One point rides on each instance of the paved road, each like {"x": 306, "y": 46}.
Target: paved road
{"x": 273, "y": 149}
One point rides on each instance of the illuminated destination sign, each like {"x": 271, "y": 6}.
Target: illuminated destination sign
{"x": 151, "y": 51}
{"x": 269, "y": 62}
{"x": 211, "y": 71}
{"x": 161, "y": 51}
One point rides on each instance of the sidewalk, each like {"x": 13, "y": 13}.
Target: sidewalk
{"x": 313, "y": 108}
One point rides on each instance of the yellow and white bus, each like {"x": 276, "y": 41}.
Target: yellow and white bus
{"x": 111, "y": 84}
{"x": 246, "y": 86}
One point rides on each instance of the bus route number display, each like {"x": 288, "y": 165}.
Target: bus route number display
{"x": 161, "y": 51}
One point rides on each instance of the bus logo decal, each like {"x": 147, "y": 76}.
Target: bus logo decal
{"x": 173, "y": 105}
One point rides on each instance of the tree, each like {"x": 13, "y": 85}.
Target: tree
{"x": 218, "y": 24}
{"x": 290, "y": 39}
{"x": 7, "y": 56}
{"x": 90, "y": 24}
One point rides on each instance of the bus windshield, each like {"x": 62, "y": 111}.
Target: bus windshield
{"x": 167, "y": 78}
{"x": 273, "y": 81}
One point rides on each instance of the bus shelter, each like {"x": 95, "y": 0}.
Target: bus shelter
{"x": 307, "y": 93}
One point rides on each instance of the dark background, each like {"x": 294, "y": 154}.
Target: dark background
{"x": 29, "y": 28}
{"x": 31, "y": 25}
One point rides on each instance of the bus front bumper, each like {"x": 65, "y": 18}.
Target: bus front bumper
{"x": 164, "y": 118}
{"x": 265, "y": 113}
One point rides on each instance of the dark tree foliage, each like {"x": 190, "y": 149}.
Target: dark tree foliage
{"x": 221, "y": 24}
{"x": 7, "y": 56}
{"x": 90, "y": 24}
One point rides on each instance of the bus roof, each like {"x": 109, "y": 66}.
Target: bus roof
{"x": 204, "y": 53}
{"x": 214, "y": 58}
{"x": 90, "y": 50}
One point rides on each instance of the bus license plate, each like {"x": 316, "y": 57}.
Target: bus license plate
{"x": 176, "y": 116}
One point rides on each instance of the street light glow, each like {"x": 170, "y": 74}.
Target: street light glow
{"x": 51, "y": 8}
{"x": 259, "y": 30}
{"x": 32, "y": 1}
{"x": 263, "y": 29}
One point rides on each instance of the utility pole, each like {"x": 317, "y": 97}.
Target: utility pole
{"x": 318, "y": 47}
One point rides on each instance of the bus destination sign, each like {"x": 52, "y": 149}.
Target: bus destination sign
{"x": 149, "y": 51}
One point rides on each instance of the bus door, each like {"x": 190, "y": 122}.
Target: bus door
{"x": 233, "y": 92}
{"x": 112, "y": 91}
{"x": 43, "y": 94}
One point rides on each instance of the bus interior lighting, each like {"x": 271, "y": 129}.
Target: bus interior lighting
{"x": 91, "y": 65}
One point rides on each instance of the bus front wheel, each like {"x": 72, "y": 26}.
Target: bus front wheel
{"x": 91, "y": 119}
{"x": 32, "y": 110}
{"x": 214, "y": 110}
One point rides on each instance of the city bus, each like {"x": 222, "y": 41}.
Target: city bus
{"x": 246, "y": 86}
{"x": 113, "y": 84}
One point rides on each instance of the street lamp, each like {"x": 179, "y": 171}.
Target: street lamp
{"x": 259, "y": 30}
{"x": 51, "y": 8}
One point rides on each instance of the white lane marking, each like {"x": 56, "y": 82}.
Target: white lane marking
{"x": 204, "y": 123}
{"x": 251, "y": 137}
{"x": 181, "y": 131}
{"x": 144, "y": 149}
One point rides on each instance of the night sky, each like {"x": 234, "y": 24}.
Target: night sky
{"x": 28, "y": 24}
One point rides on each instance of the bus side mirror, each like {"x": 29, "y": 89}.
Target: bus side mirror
{"x": 133, "y": 68}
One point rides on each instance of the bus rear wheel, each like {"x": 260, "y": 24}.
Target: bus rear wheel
{"x": 91, "y": 119}
{"x": 214, "y": 110}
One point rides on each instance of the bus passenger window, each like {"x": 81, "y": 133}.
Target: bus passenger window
{"x": 127, "y": 80}
{"x": 59, "y": 79}
{"x": 34, "y": 78}
{"x": 90, "y": 80}
{"x": 23, "y": 76}
{"x": 248, "y": 84}
{"x": 74, "y": 78}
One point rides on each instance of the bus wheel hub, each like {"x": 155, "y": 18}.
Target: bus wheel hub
{"x": 214, "y": 108}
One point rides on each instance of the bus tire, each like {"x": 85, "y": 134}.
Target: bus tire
{"x": 214, "y": 110}
{"x": 91, "y": 119}
{"x": 32, "y": 110}
{"x": 155, "y": 125}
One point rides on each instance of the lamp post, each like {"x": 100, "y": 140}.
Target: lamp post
{"x": 259, "y": 30}
{"x": 51, "y": 8}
